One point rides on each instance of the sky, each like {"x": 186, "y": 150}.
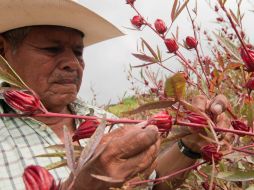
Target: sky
{"x": 107, "y": 62}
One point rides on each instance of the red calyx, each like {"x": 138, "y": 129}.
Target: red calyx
{"x": 206, "y": 185}
{"x": 171, "y": 45}
{"x": 137, "y": 21}
{"x": 239, "y": 125}
{"x": 163, "y": 121}
{"x": 37, "y": 177}
{"x": 248, "y": 59}
{"x": 196, "y": 118}
{"x": 160, "y": 26}
{"x": 250, "y": 84}
{"x": 85, "y": 130}
{"x": 22, "y": 101}
{"x": 210, "y": 151}
{"x": 191, "y": 42}
{"x": 131, "y": 2}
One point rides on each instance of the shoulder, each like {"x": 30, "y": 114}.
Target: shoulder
{"x": 80, "y": 107}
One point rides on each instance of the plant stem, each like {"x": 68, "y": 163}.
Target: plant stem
{"x": 50, "y": 114}
{"x": 218, "y": 129}
{"x": 162, "y": 179}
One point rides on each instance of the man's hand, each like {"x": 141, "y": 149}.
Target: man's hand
{"x": 214, "y": 107}
{"x": 121, "y": 155}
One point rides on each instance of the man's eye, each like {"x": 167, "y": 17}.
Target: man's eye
{"x": 53, "y": 49}
{"x": 78, "y": 53}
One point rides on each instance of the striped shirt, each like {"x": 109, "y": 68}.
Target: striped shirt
{"x": 21, "y": 139}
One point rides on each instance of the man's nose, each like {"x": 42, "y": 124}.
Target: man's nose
{"x": 69, "y": 62}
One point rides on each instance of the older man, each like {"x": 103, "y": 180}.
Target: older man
{"x": 43, "y": 41}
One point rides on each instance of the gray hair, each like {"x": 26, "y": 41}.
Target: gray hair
{"x": 16, "y": 36}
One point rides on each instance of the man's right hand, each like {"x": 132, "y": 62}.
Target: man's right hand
{"x": 121, "y": 155}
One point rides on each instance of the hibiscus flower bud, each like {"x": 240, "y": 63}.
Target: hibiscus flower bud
{"x": 239, "y": 125}
{"x": 250, "y": 84}
{"x": 137, "y": 21}
{"x": 196, "y": 118}
{"x": 163, "y": 121}
{"x": 191, "y": 42}
{"x": 171, "y": 45}
{"x": 160, "y": 26}
{"x": 85, "y": 130}
{"x": 206, "y": 185}
{"x": 37, "y": 177}
{"x": 248, "y": 59}
{"x": 210, "y": 151}
{"x": 131, "y": 2}
{"x": 22, "y": 101}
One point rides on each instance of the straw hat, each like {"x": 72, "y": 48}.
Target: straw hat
{"x": 20, "y": 13}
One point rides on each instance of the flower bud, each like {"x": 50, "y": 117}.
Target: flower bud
{"x": 239, "y": 125}
{"x": 37, "y": 177}
{"x": 248, "y": 59}
{"x": 250, "y": 84}
{"x": 131, "y": 2}
{"x": 171, "y": 45}
{"x": 196, "y": 118}
{"x": 163, "y": 121}
{"x": 85, "y": 130}
{"x": 191, "y": 42}
{"x": 22, "y": 101}
{"x": 210, "y": 151}
{"x": 137, "y": 21}
{"x": 160, "y": 26}
{"x": 206, "y": 185}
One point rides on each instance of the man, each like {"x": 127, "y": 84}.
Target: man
{"x": 43, "y": 41}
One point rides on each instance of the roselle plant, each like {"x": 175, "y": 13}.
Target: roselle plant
{"x": 228, "y": 158}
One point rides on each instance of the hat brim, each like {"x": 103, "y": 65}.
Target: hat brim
{"x": 16, "y": 14}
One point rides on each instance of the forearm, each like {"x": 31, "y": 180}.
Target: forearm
{"x": 170, "y": 161}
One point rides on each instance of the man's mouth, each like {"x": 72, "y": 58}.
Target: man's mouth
{"x": 67, "y": 81}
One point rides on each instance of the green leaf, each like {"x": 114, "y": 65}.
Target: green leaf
{"x": 150, "y": 49}
{"x": 229, "y": 46}
{"x": 175, "y": 86}
{"x": 56, "y": 165}
{"x": 236, "y": 175}
{"x": 55, "y": 154}
{"x": 151, "y": 106}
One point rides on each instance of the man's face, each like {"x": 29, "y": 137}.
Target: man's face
{"x": 50, "y": 62}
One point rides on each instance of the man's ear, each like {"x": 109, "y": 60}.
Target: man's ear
{"x": 4, "y": 45}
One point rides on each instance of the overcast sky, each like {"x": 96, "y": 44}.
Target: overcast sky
{"x": 107, "y": 62}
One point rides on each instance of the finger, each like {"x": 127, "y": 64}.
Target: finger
{"x": 223, "y": 121}
{"x": 200, "y": 102}
{"x": 137, "y": 141}
{"x": 119, "y": 132}
{"x": 218, "y": 104}
{"x": 141, "y": 162}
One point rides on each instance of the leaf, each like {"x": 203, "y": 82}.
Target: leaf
{"x": 237, "y": 175}
{"x": 61, "y": 147}
{"x": 181, "y": 9}
{"x": 250, "y": 114}
{"x": 56, "y": 165}
{"x": 152, "y": 105}
{"x": 234, "y": 17}
{"x": 8, "y": 75}
{"x": 69, "y": 150}
{"x": 150, "y": 49}
{"x": 92, "y": 144}
{"x": 55, "y": 154}
{"x": 175, "y": 86}
{"x": 144, "y": 57}
{"x": 229, "y": 46}
{"x": 173, "y": 11}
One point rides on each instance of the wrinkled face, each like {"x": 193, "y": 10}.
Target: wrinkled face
{"x": 50, "y": 62}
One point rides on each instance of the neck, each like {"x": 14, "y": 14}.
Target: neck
{"x": 54, "y": 120}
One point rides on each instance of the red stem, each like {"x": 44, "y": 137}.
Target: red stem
{"x": 161, "y": 179}
{"x": 50, "y": 114}
{"x": 219, "y": 129}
